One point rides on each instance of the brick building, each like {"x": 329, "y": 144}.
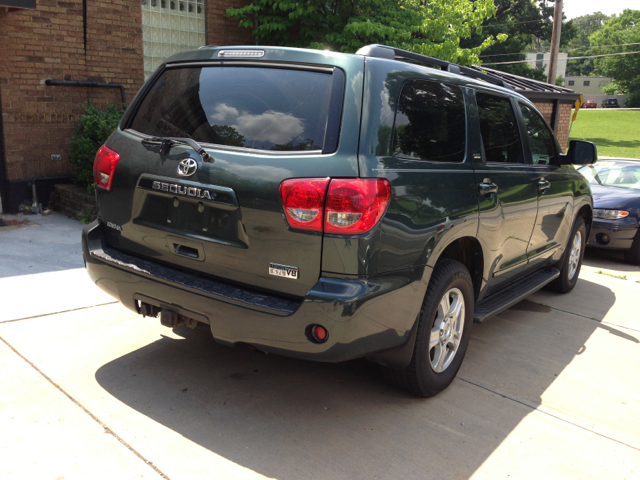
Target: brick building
{"x": 115, "y": 45}
{"x": 116, "y": 42}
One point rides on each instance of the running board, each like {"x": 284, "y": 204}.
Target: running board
{"x": 514, "y": 293}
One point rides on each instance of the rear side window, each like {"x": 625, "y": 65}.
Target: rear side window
{"x": 499, "y": 129}
{"x": 251, "y": 107}
{"x": 541, "y": 141}
{"x": 430, "y": 122}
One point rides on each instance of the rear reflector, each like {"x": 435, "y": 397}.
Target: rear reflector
{"x": 352, "y": 206}
{"x": 303, "y": 202}
{"x": 103, "y": 167}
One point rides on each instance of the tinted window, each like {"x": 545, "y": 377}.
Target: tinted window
{"x": 541, "y": 140}
{"x": 430, "y": 122}
{"x": 499, "y": 129}
{"x": 262, "y": 108}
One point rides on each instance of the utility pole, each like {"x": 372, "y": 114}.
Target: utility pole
{"x": 555, "y": 42}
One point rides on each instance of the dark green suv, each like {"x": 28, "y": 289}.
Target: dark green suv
{"x": 329, "y": 206}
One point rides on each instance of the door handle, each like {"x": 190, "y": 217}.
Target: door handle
{"x": 487, "y": 188}
{"x": 543, "y": 185}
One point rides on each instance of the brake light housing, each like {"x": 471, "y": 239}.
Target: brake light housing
{"x": 303, "y": 202}
{"x": 355, "y": 206}
{"x": 349, "y": 206}
{"x": 104, "y": 165}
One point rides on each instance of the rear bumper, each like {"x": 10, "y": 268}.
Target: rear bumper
{"x": 619, "y": 233}
{"x": 364, "y": 316}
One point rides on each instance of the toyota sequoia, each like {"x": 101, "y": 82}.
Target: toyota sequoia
{"x": 329, "y": 206}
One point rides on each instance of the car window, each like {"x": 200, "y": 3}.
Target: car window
{"x": 541, "y": 141}
{"x": 612, "y": 174}
{"x": 430, "y": 122}
{"x": 251, "y": 107}
{"x": 499, "y": 129}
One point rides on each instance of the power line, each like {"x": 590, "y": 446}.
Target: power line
{"x": 569, "y": 50}
{"x": 569, "y": 58}
{"x": 515, "y": 23}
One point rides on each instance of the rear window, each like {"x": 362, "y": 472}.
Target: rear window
{"x": 430, "y": 122}
{"x": 250, "y": 107}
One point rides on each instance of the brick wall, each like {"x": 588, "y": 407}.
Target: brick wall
{"x": 222, "y": 30}
{"x": 48, "y": 42}
{"x": 564, "y": 120}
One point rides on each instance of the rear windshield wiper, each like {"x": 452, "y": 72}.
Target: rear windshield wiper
{"x": 168, "y": 142}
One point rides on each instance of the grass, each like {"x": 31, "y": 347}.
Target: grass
{"x": 615, "y": 133}
{"x": 621, "y": 277}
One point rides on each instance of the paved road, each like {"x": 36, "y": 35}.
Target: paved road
{"x": 91, "y": 390}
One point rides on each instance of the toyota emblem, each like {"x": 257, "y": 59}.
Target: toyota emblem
{"x": 187, "y": 167}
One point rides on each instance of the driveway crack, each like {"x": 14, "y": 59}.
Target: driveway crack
{"x": 85, "y": 410}
{"x": 544, "y": 410}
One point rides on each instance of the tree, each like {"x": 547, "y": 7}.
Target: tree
{"x": 431, "y": 28}
{"x": 580, "y": 45}
{"x": 525, "y": 22}
{"x": 624, "y": 69}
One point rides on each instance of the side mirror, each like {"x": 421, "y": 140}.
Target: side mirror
{"x": 580, "y": 153}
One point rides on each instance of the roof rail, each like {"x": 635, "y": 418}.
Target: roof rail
{"x": 391, "y": 53}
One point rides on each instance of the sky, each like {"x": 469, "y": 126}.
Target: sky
{"x": 577, "y": 8}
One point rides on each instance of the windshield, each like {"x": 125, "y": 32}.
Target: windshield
{"x": 250, "y": 107}
{"x": 614, "y": 174}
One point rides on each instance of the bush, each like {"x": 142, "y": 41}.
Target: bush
{"x": 94, "y": 127}
{"x": 633, "y": 100}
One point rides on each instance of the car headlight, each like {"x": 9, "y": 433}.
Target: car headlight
{"x": 609, "y": 214}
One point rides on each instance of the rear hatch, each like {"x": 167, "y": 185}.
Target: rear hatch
{"x": 262, "y": 120}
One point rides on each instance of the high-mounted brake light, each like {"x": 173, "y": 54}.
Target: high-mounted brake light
{"x": 241, "y": 53}
{"x": 303, "y": 202}
{"x": 103, "y": 167}
{"x": 352, "y": 206}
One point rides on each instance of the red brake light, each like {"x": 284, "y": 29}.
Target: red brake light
{"x": 303, "y": 202}
{"x": 355, "y": 206}
{"x": 103, "y": 167}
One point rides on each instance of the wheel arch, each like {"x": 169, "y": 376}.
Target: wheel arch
{"x": 468, "y": 251}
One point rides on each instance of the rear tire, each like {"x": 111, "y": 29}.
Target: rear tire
{"x": 444, "y": 329}
{"x": 572, "y": 259}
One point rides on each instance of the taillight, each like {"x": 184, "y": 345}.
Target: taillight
{"x": 103, "y": 167}
{"x": 354, "y": 206}
{"x": 303, "y": 202}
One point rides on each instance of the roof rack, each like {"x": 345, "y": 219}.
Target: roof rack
{"x": 391, "y": 53}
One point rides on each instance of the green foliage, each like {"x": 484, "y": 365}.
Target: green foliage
{"x": 580, "y": 45}
{"x": 560, "y": 81}
{"x": 431, "y": 28}
{"x": 633, "y": 100}
{"x": 528, "y": 26}
{"x": 85, "y": 216}
{"x": 94, "y": 127}
{"x": 625, "y": 69}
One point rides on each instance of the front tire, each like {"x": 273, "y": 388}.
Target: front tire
{"x": 572, "y": 259}
{"x": 632, "y": 255}
{"x": 444, "y": 329}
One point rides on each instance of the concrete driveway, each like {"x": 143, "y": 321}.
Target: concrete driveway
{"x": 548, "y": 389}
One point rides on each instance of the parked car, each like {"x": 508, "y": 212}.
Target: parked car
{"x": 590, "y": 104}
{"x": 610, "y": 103}
{"x": 302, "y": 204}
{"x": 616, "y": 196}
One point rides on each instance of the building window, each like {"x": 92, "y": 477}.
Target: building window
{"x": 572, "y": 83}
{"x": 168, "y": 27}
{"x": 587, "y": 83}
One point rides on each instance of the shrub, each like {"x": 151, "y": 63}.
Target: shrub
{"x": 94, "y": 127}
{"x": 633, "y": 100}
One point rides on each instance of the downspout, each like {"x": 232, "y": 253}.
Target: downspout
{"x": 84, "y": 83}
